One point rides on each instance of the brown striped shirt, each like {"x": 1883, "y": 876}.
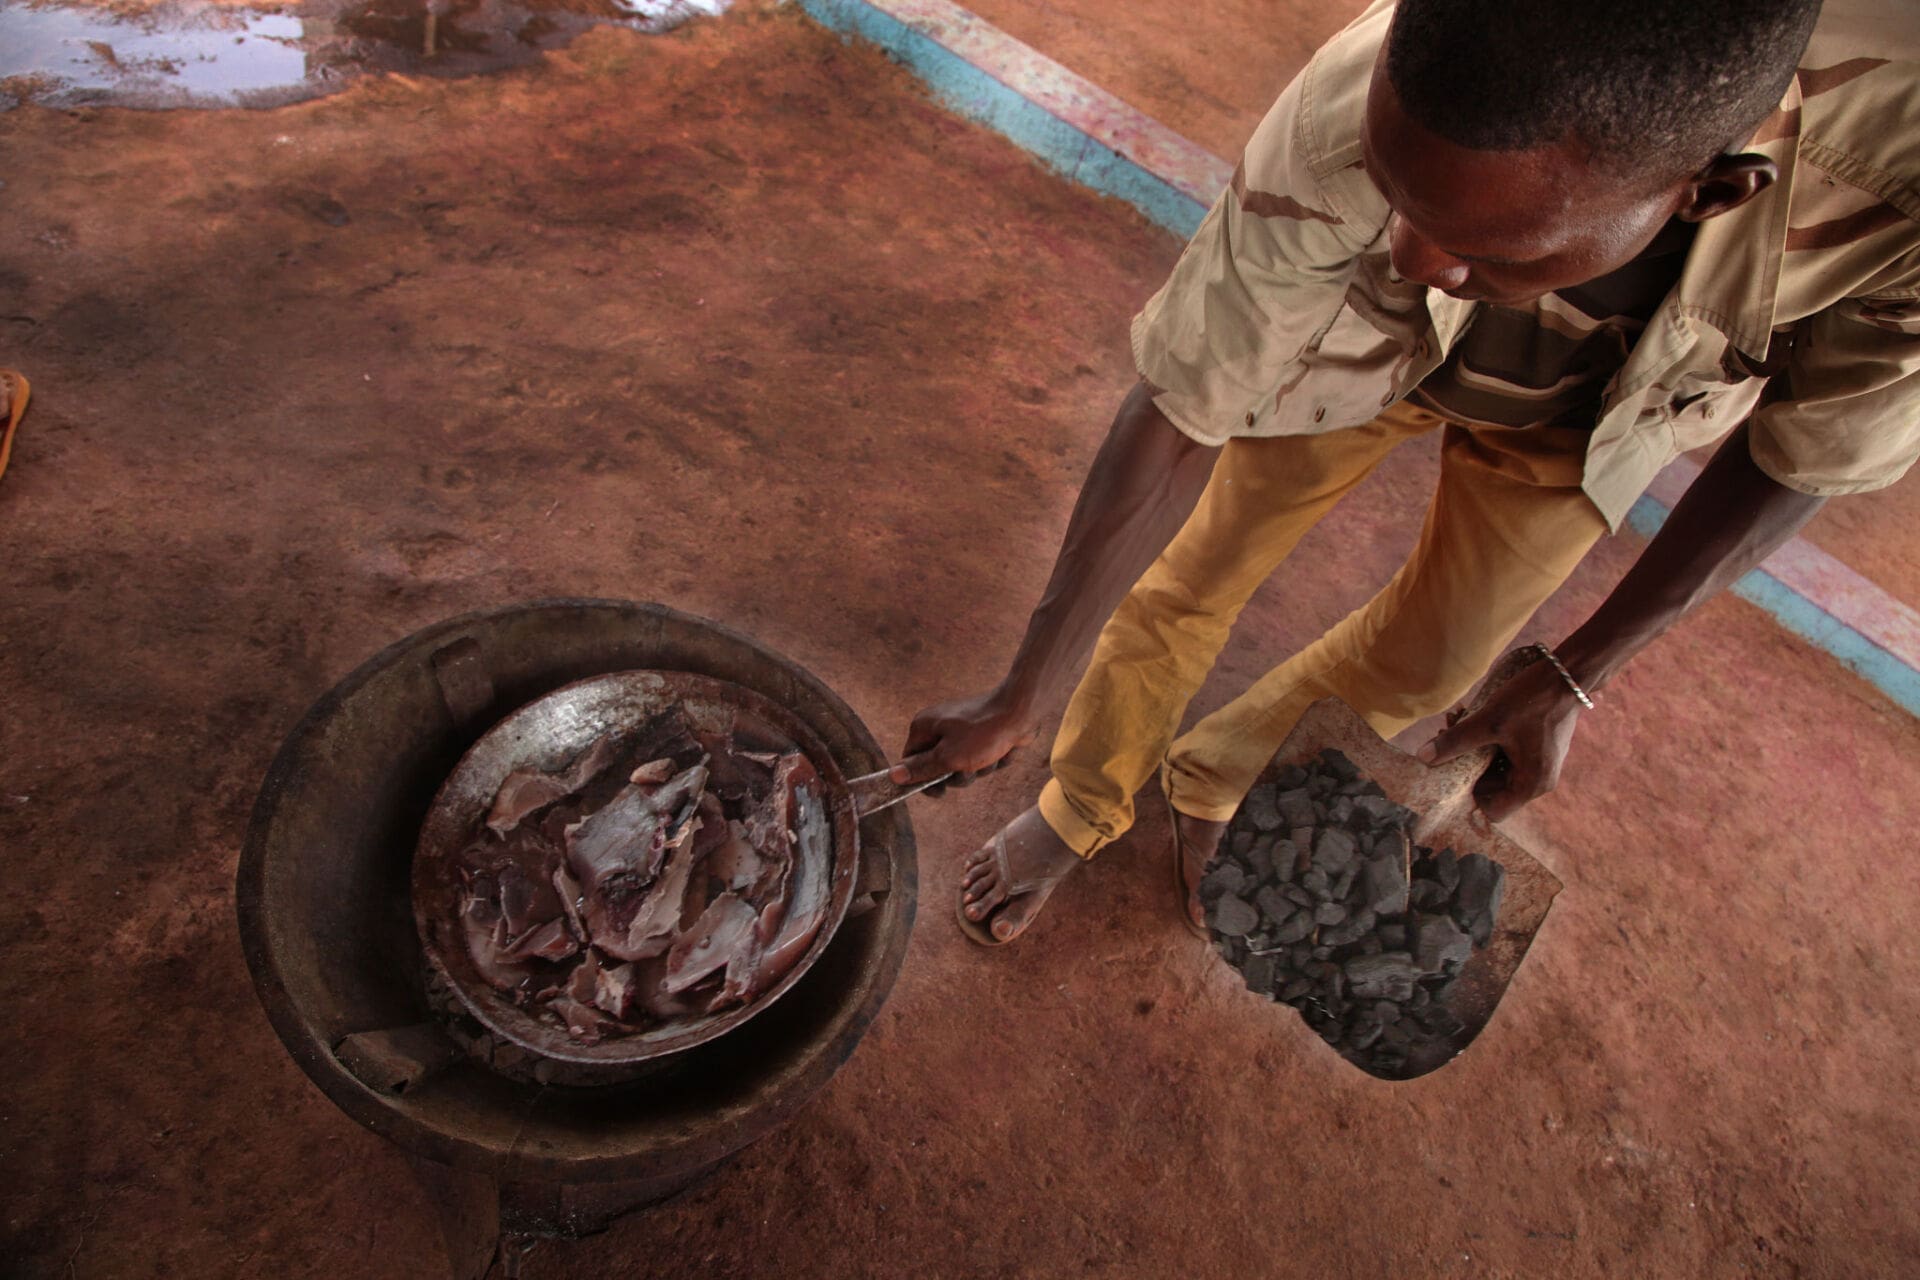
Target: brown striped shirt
{"x": 1546, "y": 364}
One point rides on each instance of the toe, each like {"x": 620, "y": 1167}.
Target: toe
{"x": 982, "y": 899}
{"x": 1014, "y": 918}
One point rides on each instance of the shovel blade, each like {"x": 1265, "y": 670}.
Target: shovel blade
{"x": 1442, "y": 796}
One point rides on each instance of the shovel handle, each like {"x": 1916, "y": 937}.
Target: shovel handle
{"x": 876, "y": 791}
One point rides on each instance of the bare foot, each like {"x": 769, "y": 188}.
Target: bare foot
{"x": 1034, "y": 854}
{"x": 1197, "y": 841}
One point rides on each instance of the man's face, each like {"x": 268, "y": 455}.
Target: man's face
{"x": 1501, "y": 226}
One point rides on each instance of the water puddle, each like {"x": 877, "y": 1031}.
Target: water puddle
{"x": 201, "y": 54}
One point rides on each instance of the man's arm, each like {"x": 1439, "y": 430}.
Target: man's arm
{"x": 1728, "y": 521}
{"x": 1141, "y": 487}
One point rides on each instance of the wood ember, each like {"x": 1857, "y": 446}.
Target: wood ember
{"x": 645, "y": 881}
{"x": 1322, "y": 902}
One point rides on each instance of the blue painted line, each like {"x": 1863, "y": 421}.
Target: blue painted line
{"x": 1804, "y": 618}
{"x": 971, "y": 92}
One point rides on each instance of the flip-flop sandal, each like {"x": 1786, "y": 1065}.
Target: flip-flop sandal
{"x": 1180, "y": 876}
{"x": 981, "y": 931}
{"x": 21, "y": 389}
{"x": 1179, "y": 855}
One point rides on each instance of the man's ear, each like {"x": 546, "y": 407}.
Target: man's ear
{"x": 1725, "y": 184}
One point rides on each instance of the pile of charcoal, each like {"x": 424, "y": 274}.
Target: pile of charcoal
{"x": 1318, "y": 897}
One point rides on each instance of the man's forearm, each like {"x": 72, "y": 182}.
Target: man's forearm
{"x": 1726, "y": 523}
{"x": 1141, "y": 487}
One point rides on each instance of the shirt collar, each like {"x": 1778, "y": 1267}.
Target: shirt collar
{"x": 1732, "y": 277}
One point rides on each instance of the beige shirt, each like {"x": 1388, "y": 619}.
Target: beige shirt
{"x": 1284, "y": 317}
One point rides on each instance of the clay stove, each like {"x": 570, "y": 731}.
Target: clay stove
{"x": 325, "y": 918}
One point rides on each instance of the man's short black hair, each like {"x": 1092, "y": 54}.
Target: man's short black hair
{"x": 1646, "y": 85}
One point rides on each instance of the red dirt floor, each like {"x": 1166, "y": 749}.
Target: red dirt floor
{"x": 737, "y": 320}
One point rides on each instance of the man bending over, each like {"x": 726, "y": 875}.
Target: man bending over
{"x": 1574, "y": 238}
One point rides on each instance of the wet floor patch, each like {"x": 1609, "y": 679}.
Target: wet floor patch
{"x": 205, "y": 55}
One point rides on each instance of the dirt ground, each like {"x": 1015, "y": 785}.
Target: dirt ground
{"x": 735, "y": 319}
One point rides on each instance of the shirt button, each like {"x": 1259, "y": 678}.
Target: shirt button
{"x": 1249, "y": 417}
{"x": 1320, "y": 414}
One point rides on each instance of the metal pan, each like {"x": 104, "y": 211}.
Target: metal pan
{"x": 546, "y": 734}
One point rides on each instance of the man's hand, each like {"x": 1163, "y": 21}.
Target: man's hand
{"x": 1530, "y": 719}
{"x": 966, "y": 738}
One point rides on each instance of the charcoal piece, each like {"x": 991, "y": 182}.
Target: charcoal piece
{"x": 1384, "y": 885}
{"x": 1290, "y": 777}
{"x": 1363, "y": 1033}
{"x": 1259, "y": 809}
{"x": 1286, "y": 859}
{"x": 1446, "y": 869}
{"x": 1340, "y": 810}
{"x": 1438, "y": 1021}
{"x": 1301, "y": 956}
{"x": 1316, "y": 883}
{"x": 1357, "y": 788}
{"x": 1259, "y": 859}
{"x": 1234, "y": 916}
{"x": 1329, "y": 913}
{"x": 1259, "y": 972}
{"x": 1222, "y": 879}
{"x": 1322, "y": 951}
{"x": 1297, "y": 926}
{"x": 1439, "y": 991}
{"x": 1385, "y": 1011}
{"x": 1389, "y": 1063}
{"x": 1427, "y": 895}
{"x": 1240, "y": 844}
{"x": 1387, "y": 976}
{"x": 1383, "y": 811}
{"x": 1295, "y": 807}
{"x": 1354, "y": 928}
{"x": 1294, "y": 989}
{"x": 1420, "y": 998}
{"x": 1438, "y": 941}
{"x": 1298, "y": 896}
{"x": 1336, "y": 763}
{"x": 1392, "y": 936}
{"x": 1333, "y": 850}
{"x": 1483, "y": 883}
{"x": 1273, "y": 906}
{"x": 1371, "y": 945}
{"x": 1395, "y": 1036}
{"x": 1342, "y": 887}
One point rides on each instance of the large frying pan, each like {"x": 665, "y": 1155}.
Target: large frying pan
{"x": 546, "y": 734}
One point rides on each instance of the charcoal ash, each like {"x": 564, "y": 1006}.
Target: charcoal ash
{"x": 1320, "y": 899}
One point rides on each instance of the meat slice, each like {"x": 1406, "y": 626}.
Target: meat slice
{"x": 567, "y": 889}
{"x": 527, "y": 791}
{"x": 480, "y": 926}
{"x": 742, "y": 970}
{"x": 630, "y": 837}
{"x": 735, "y": 862}
{"x": 525, "y": 902}
{"x": 550, "y": 941}
{"x": 770, "y": 827}
{"x": 653, "y": 772}
{"x": 616, "y": 990}
{"x": 723, "y": 929}
{"x": 649, "y": 930}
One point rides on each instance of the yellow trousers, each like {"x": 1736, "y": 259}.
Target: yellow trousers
{"x": 1507, "y": 524}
